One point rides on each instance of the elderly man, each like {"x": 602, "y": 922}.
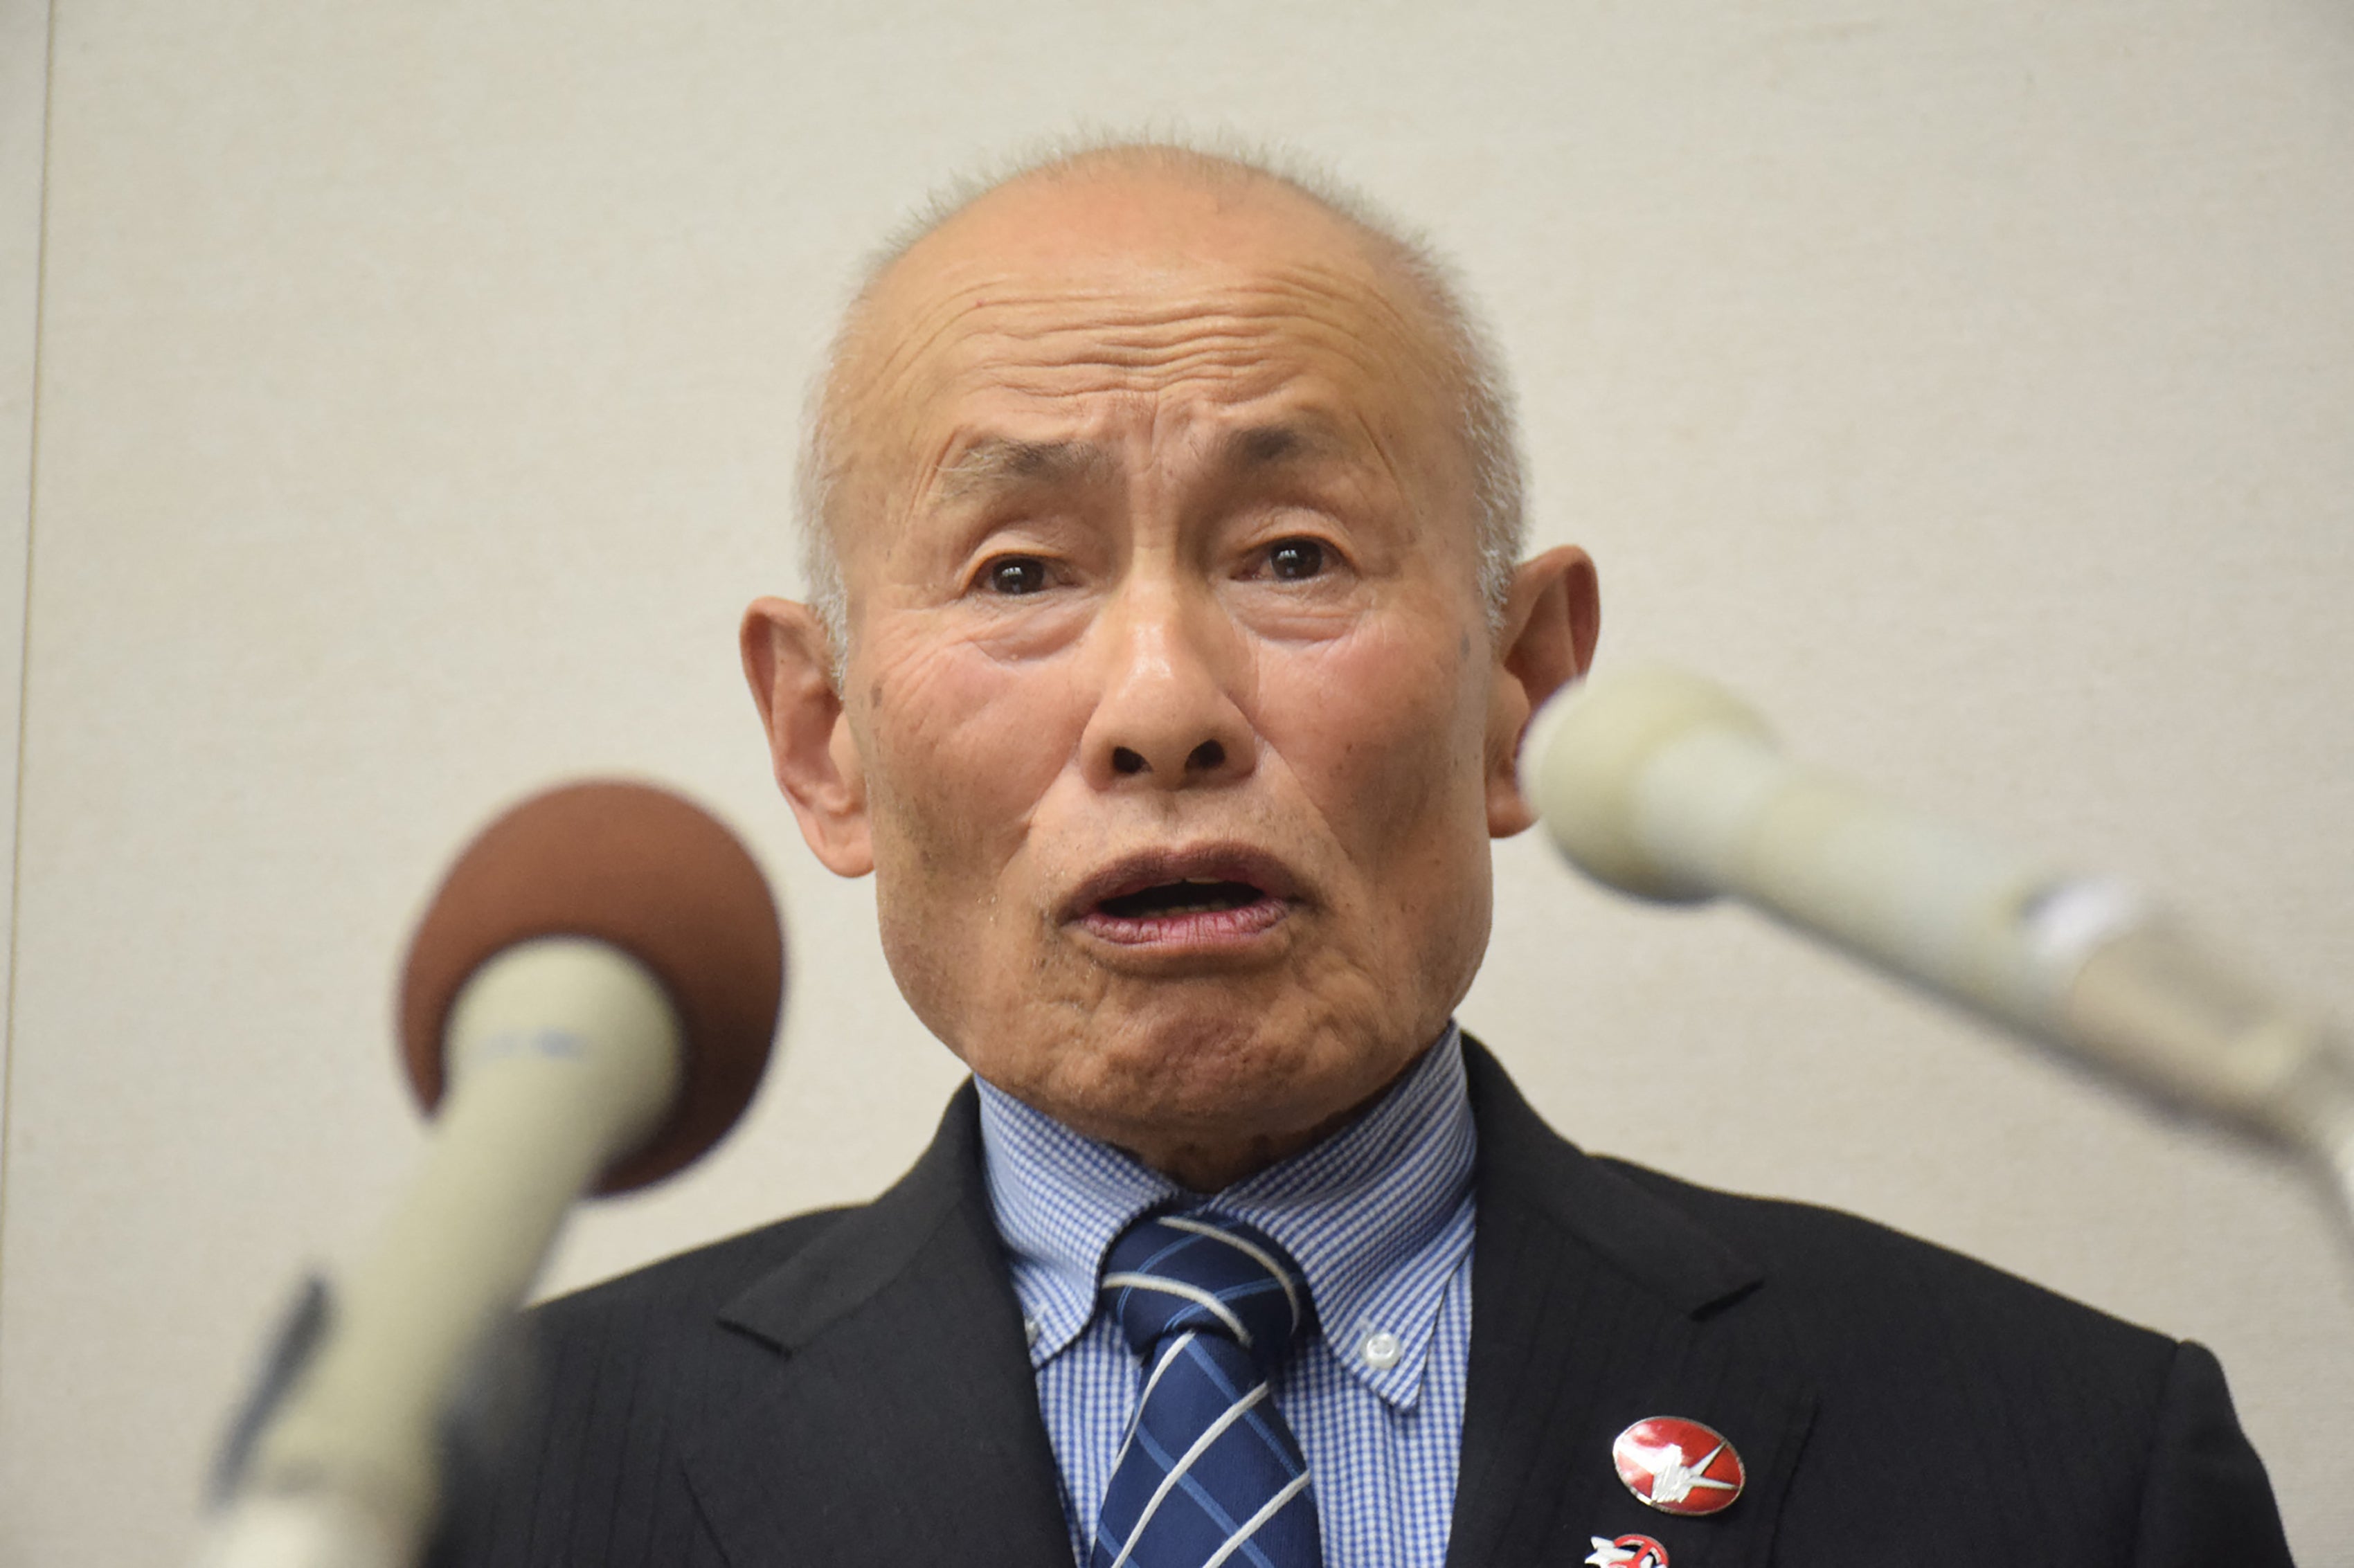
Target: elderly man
{"x": 1168, "y": 668}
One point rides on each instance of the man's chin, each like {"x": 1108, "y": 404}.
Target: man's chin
{"x": 1219, "y": 1087}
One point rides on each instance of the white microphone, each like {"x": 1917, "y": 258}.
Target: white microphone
{"x": 1662, "y": 784}
{"x": 590, "y": 1000}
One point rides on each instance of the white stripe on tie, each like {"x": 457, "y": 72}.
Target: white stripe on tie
{"x": 1250, "y": 1526}
{"x": 1248, "y": 1248}
{"x": 1177, "y": 1347}
{"x": 1177, "y": 1471}
{"x": 1192, "y": 1293}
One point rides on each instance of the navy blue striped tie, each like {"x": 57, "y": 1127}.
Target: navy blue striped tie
{"x": 1210, "y": 1474}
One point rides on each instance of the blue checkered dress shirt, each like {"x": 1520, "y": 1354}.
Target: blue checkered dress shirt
{"x": 1379, "y": 1217}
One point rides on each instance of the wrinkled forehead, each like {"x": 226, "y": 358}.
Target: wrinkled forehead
{"x": 1053, "y": 310}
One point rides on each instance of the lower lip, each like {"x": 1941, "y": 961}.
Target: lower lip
{"x": 1203, "y": 929}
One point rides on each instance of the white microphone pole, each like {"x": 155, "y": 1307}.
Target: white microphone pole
{"x": 1665, "y": 786}
{"x": 563, "y": 1055}
{"x": 589, "y": 1002}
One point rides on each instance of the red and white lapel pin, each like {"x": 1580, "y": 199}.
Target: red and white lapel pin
{"x": 1679, "y": 1467}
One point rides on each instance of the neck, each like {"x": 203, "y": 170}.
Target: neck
{"x": 1212, "y": 1166}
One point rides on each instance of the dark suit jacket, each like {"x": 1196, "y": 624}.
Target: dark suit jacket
{"x": 852, "y": 1388}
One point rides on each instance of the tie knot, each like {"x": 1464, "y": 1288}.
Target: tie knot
{"x": 1174, "y": 1274}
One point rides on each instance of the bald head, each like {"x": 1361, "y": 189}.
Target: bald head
{"x": 1163, "y": 228}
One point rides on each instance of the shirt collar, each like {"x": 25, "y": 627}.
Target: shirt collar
{"x": 1378, "y": 1217}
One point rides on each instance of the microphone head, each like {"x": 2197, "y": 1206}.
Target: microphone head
{"x": 1583, "y": 761}
{"x": 648, "y": 872}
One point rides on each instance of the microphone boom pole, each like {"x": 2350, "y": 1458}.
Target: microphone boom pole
{"x": 1663, "y": 785}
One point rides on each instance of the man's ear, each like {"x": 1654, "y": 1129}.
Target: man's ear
{"x": 788, "y": 661}
{"x": 1552, "y": 618}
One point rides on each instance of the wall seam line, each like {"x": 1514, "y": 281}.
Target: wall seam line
{"x": 25, "y": 635}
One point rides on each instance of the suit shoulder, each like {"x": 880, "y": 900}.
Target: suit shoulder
{"x": 2096, "y": 1431}
{"x": 688, "y": 1286}
{"x": 1869, "y": 1281}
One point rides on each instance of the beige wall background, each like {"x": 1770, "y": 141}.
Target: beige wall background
{"x": 1970, "y": 381}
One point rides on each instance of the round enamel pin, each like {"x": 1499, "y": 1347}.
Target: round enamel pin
{"x": 1679, "y": 1467}
{"x": 1628, "y": 1552}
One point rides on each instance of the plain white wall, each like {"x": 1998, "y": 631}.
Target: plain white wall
{"x": 1968, "y": 380}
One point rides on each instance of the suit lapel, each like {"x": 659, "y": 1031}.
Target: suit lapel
{"x": 877, "y": 1404}
{"x": 1596, "y": 1303}
{"x": 873, "y": 1403}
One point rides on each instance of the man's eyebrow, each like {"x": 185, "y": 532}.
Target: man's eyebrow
{"x": 997, "y": 462}
{"x": 1268, "y": 446}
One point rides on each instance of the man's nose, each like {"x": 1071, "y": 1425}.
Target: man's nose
{"x": 1167, "y": 715}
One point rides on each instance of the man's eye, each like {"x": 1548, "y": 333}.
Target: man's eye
{"x": 1016, "y": 575}
{"x": 1293, "y": 559}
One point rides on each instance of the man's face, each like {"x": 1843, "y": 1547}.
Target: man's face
{"x": 1168, "y": 711}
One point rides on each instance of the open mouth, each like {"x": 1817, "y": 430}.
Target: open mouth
{"x": 1205, "y": 897}
{"x": 1190, "y": 895}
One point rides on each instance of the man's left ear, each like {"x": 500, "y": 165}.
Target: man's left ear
{"x": 1552, "y": 618}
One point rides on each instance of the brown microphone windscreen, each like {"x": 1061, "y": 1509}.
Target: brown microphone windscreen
{"x": 654, "y": 875}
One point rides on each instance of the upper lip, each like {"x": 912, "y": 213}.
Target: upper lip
{"x": 1156, "y": 868}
